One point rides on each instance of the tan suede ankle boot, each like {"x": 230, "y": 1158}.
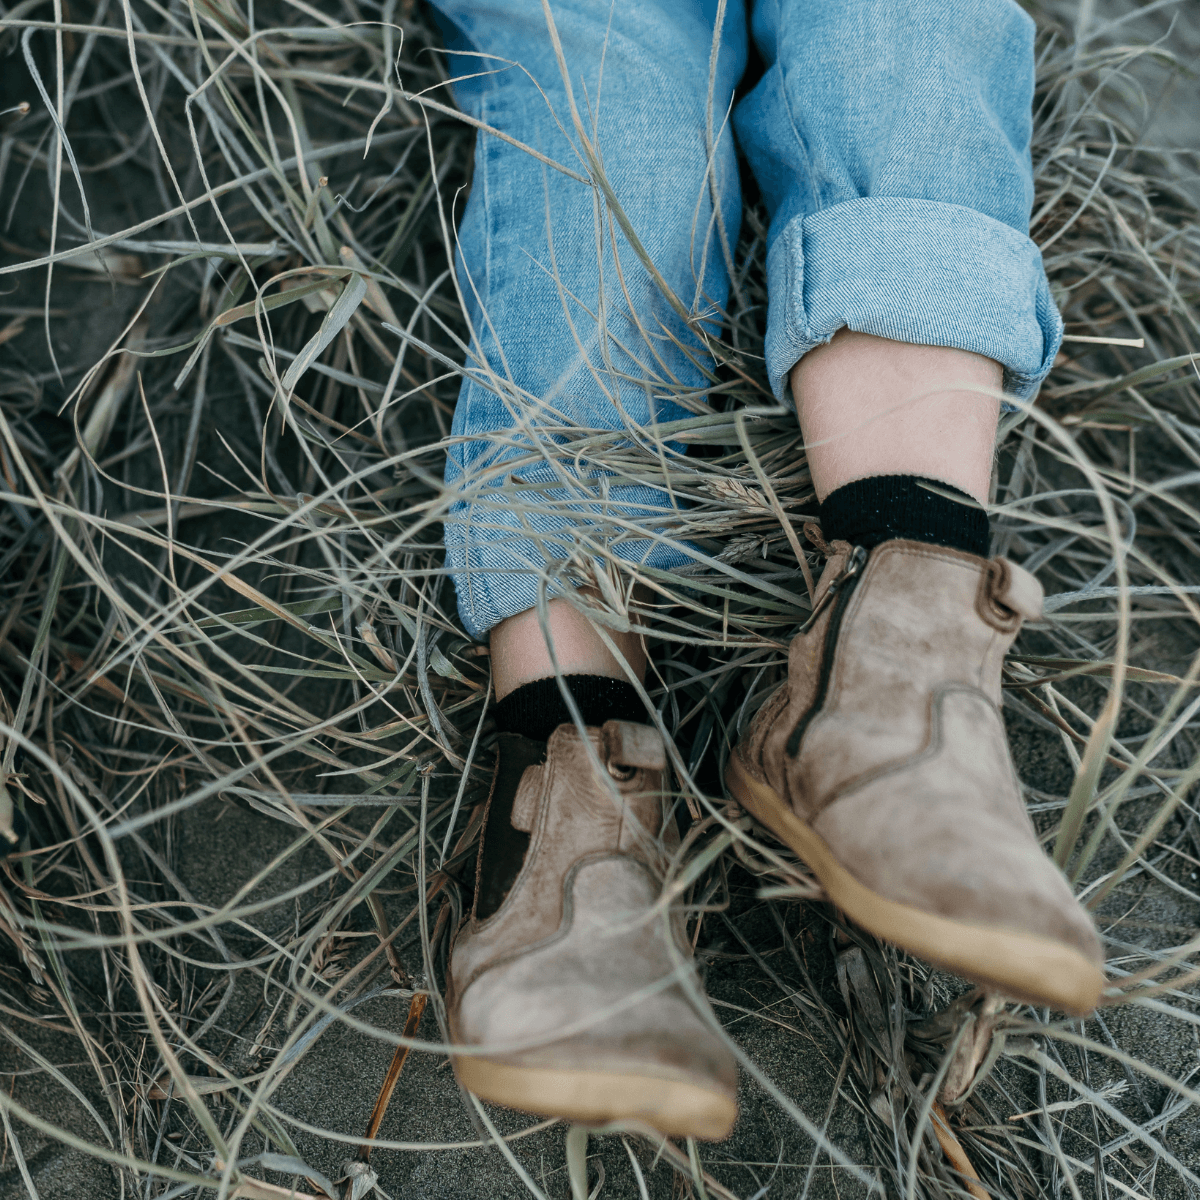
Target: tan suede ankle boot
{"x": 883, "y": 763}
{"x": 562, "y": 981}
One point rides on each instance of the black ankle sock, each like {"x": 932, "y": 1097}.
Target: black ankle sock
{"x": 869, "y": 511}
{"x": 535, "y": 710}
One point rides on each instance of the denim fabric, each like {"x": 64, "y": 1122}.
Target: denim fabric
{"x": 891, "y": 144}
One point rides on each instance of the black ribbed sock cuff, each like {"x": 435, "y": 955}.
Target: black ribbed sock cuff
{"x": 869, "y": 511}
{"x": 535, "y": 710}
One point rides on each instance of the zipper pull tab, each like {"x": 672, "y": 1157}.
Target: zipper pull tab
{"x": 856, "y": 561}
{"x": 854, "y": 564}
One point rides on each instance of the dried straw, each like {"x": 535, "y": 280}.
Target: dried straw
{"x": 221, "y": 590}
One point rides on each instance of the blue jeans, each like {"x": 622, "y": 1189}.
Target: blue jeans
{"x": 890, "y": 142}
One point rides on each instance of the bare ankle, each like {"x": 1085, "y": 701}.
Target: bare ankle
{"x": 872, "y": 406}
{"x": 520, "y": 653}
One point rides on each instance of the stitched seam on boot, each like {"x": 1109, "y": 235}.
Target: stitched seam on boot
{"x": 928, "y": 550}
{"x": 565, "y": 923}
{"x": 487, "y": 812}
{"x": 934, "y": 743}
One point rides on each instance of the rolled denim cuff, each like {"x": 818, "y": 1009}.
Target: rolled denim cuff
{"x": 501, "y": 561}
{"x": 917, "y": 271}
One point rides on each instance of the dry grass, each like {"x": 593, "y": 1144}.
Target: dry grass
{"x": 224, "y": 580}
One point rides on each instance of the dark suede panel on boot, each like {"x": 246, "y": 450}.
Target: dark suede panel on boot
{"x": 503, "y": 847}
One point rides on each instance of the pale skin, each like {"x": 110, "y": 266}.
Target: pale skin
{"x": 867, "y": 406}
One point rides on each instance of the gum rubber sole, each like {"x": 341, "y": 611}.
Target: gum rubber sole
{"x": 672, "y": 1106}
{"x": 1017, "y": 964}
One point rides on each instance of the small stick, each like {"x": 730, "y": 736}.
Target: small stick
{"x": 955, "y": 1154}
{"x": 415, "y": 1009}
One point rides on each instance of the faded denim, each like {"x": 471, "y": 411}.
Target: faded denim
{"x": 891, "y": 144}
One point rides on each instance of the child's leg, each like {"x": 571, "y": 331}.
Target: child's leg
{"x": 639, "y": 74}
{"x": 892, "y": 145}
{"x": 520, "y": 654}
{"x": 563, "y": 992}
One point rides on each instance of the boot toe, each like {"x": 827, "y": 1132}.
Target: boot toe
{"x": 970, "y": 890}
{"x": 593, "y": 1024}
{"x": 979, "y": 868}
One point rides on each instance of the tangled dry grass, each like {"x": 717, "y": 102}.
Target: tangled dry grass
{"x": 221, "y": 590}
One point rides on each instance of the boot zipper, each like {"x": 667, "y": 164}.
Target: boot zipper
{"x": 842, "y": 588}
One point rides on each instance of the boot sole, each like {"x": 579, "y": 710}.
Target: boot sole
{"x": 1021, "y": 965}
{"x": 671, "y": 1106}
